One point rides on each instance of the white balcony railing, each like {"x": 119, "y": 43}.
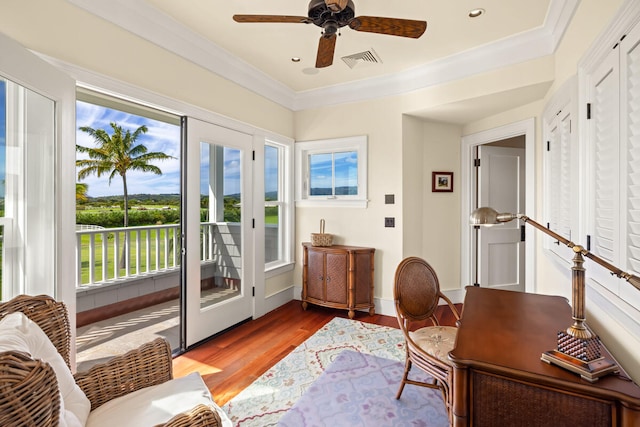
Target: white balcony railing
{"x": 108, "y": 255}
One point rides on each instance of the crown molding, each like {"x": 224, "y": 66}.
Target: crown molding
{"x": 137, "y": 17}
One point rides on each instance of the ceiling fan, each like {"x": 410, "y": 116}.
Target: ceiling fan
{"x": 331, "y": 15}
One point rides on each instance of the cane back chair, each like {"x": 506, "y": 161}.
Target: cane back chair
{"x": 417, "y": 295}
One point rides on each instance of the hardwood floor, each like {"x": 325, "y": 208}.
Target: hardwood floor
{"x": 231, "y": 361}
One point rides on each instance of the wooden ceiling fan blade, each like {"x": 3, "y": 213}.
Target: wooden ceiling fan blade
{"x": 391, "y": 26}
{"x": 272, "y": 18}
{"x": 326, "y": 47}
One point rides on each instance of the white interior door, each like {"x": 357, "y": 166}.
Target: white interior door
{"x": 501, "y": 186}
{"x": 218, "y": 229}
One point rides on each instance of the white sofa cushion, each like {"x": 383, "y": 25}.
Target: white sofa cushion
{"x": 18, "y": 332}
{"x": 156, "y": 404}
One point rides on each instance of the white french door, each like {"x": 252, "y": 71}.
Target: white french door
{"x": 37, "y": 176}
{"x": 218, "y": 264}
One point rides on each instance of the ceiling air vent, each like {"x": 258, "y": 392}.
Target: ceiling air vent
{"x": 368, "y": 56}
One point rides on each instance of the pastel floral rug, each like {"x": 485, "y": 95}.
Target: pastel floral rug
{"x": 358, "y": 390}
{"x": 271, "y": 396}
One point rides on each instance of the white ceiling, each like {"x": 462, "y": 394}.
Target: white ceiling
{"x": 258, "y": 55}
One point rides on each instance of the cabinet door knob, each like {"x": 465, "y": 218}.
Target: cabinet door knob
{"x": 328, "y": 279}
{"x": 321, "y": 278}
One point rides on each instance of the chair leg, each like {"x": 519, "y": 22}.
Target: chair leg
{"x": 407, "y": 367}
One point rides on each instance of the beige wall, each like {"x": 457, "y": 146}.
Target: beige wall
{"x": 589, "y": 21}
{"x": 410, "y": 198}
{"x": 381, "y": 121}
{"x": 441, "y": 219}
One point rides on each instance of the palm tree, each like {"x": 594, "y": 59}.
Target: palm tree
{"x": 81, "y": 192}
{"x": 117, "y": 154}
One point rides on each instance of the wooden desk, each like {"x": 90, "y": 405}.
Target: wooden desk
{"x": 499, "y": 379}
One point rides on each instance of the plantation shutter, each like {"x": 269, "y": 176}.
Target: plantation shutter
{"x": 604, "y": 129}
{"x": 630, "y": 169}
{"x": 559, "y": 173}
{"x": 605, "y": 137}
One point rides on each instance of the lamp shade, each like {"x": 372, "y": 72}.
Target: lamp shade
{"x": 484, "y": 216}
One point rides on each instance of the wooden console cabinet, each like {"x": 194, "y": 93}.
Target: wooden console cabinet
{"x": 338, "y": 277}
{"x": 499, "y": 379}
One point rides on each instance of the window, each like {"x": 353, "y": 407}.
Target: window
{"x": 332, "y": 172}
{"x": 278, "y": 210}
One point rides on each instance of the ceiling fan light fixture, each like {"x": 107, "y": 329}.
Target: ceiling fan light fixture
{"x": 474, "y": 13}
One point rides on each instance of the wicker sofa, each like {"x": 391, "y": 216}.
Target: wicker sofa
{"x": 31, "y": 390}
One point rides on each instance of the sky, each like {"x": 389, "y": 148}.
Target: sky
{"x": 344, "y": 165}
{"x": 162, "y": 137}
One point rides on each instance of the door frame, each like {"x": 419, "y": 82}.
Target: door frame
{"x": 238, "y": 309}
{"x": 468, "y": 144}
{"x": 30, "y": 71}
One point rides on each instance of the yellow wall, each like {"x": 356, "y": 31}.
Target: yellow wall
{"x": 441, "y": 229}
{"x": 381, "y": 121}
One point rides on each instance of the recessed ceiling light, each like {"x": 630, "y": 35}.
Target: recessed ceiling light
{"x": 474, "y": 13}
{"x": 295, "y": 59}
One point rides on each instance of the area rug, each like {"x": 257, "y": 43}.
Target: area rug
{"x": 359, "y": 389}
{"x": 267, "y": 399}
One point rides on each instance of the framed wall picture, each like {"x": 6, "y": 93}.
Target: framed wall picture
{"x": 442, "y": 182}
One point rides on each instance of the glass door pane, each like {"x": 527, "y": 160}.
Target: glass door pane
{"x": 221, "y": 196}
{"x": 27, "y": 171}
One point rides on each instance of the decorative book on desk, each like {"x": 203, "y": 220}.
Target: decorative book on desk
{"x": 339, "y": 277}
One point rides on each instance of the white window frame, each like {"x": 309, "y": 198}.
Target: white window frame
{"x": 330, "y": 146}
{"x": 286, "y": 208}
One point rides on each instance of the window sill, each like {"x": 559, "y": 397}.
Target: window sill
{"x": 343, "y": 203}
{"x": 278, "y": 269}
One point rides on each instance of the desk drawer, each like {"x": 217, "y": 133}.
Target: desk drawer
{"x": 499, "y": 401}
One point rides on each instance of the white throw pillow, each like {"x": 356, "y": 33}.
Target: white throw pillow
{"x": 18, "y": 332}
{"x": 156, "y": 404}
